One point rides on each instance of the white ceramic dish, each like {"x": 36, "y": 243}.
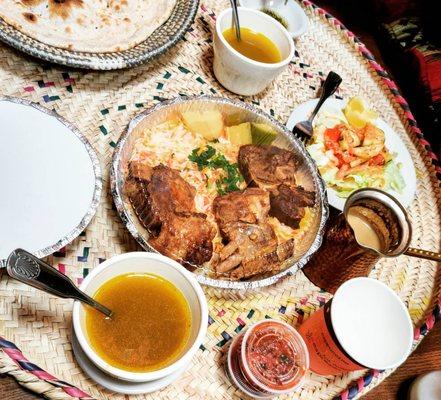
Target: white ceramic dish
{"x": 238, "y": 73}
{"x": 50, "y": 179}
{"x": 142, "y": 262}
{"x": 289, "y": 10}
{"x": 118, "y": 385}
{"x": 393, "y": 143}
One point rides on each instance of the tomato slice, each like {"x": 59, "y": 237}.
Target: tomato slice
{"x": 332, "y": 137}
{"x": 377, "y": 160}
{"x": 343, "y": 170}
{"x": 340, "y": 158}
{"x": 332, "y": 146}
{"x": 332, "y": 134}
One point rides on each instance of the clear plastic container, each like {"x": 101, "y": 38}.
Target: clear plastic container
{"x": 269, "y": 359}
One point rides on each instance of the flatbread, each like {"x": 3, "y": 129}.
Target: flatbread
{"x": 87, "y": 25}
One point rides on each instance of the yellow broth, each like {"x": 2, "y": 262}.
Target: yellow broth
{"x": 253, "y": 45}
{"x": 149, "y": 327}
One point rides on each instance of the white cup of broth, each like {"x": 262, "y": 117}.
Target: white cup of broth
{"x": 248, "y": 67}
{"x": 159, "y": 317}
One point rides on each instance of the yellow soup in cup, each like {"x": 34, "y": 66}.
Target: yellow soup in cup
{"x": 254, "y": 45}
{"x": 150, "y": 323}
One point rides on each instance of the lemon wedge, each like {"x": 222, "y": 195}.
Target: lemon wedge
{"x": 356, "y": 104}
{"x": 357, "y": 114}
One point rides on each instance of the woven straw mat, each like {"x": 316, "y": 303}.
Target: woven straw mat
{"x": 101, "y": 105}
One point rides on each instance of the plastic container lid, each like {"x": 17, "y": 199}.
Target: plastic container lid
{"x": 274, "y": 356}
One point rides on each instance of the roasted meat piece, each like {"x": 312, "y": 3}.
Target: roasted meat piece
{"x": 137, "y": 193}
{"x": 164, "y": 203}
{"x": 287, "y": 204}
{"x": 169, "y": 192}
{"x": 267, "y": 166}
{"x": 157, "y": 193}
{"x": 248, "y": 206}
{"x": 274, "y": 169}
{"x": 140, "y": 170}
{"x": 251, "y": 245}
{"x": 186, "y": 237}
{"x": 267, "y": 262}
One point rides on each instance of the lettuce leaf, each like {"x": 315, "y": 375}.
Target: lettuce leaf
{"x": 394, "y": 178}
{"x": 318, "y": 153}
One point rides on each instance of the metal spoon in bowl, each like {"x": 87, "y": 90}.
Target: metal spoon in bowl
{"x": 26, "y": 268}
{"x": 235, "y": 19}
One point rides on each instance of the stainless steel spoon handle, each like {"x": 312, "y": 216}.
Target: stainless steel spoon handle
{"x": 27, "y": 268}
{"x": 236, "y": 19}
{"x": 331, "y": 84}
{"x": 420, "y": 253}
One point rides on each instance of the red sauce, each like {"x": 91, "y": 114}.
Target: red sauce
{"x": 235, "y": 368}
{"x": 274, "y": 356}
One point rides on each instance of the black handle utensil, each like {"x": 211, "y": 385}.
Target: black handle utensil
{"x": 303, "y": 130}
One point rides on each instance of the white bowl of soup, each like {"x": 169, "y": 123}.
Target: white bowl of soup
{"x": 159, "y": 317}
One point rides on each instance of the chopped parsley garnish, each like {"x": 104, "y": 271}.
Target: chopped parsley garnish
{"x": 209, "y": 158}
{"x": 201, "y": 158}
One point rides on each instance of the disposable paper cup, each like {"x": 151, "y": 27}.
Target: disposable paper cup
{"x": 238, "y": 73}
{"x": 365, "y": 325}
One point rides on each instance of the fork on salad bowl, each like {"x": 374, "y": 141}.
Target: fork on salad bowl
{"x": 303, "y": 130}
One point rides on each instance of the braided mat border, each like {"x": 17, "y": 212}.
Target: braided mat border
{"x": 35, "y": 378}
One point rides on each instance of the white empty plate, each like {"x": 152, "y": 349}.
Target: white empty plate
{"x": 50, "y": 179}
{"x": 118, "y": 385}
{"x": 393, "y": 144}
